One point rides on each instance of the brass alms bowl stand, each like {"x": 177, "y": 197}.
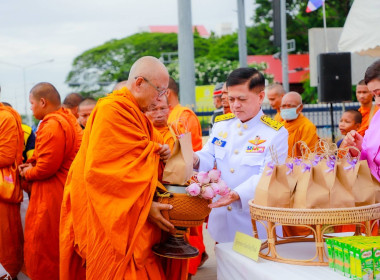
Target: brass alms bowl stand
{"x": 319, "y": 221}
{"x": 188, "y": 211}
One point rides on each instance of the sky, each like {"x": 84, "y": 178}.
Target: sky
{"x": 41, "y": 38}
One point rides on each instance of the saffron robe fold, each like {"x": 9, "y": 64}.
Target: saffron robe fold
{"x": 278, "y": 117}
{"x": 301, "y": 129}
{"x": 366, "y": 117}
{"x": 11, "y": 235}
{"x": 57, "y": 142}
{"x": 108, "y": 195}
{"x": 182, "y": 120}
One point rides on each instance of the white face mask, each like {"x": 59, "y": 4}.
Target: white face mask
{"x": 289, "y": 114}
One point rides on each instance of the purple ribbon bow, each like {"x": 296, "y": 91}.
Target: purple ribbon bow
{"x": 290, "y": 166}
{"x": 330, "y": 164}
{"x": 351, "y": 164}
{"x": 297, "y": 161}
{"x": 306, "y": 167}
{"x": 316, "y": 160}
{"x": 271, "y": 166}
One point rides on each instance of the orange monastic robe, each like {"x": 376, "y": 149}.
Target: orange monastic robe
{"x": 278, "y": 117}
{"x": 183, "y": 119}
{"x": 108, "y": 194}
{"x": 366, "y": 115}
{"x": 11, "y": 235}
{"x": 57, "y": 142}
{"x": 301, "y": 129}
{"x": 169, "y": 138}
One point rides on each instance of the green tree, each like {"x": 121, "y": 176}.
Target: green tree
{"x": 298, "y": 22}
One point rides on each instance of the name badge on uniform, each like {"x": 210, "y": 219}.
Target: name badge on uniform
{"x": 255, "y": 148}
{"x": 218, "y": 142}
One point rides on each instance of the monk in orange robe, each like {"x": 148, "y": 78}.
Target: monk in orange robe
{"x": 11, "y": 235}
{"x": 109, "y": 221}
{"x": 183, "y": 120}
{"x": 275, "y": 93}
{"x": 57, "y": 142}
{"x": 71, "y": 102}
{"x": 367, "y": 109}
{"x": 299, "y": 128}
{"x": 158, "y": 113}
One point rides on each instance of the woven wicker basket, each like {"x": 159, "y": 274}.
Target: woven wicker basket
{"x": 317, "y": 220}
{"x": 188, "y": 211}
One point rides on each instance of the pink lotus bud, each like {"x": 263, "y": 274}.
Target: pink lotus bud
{"x": 203, "y": 178}
{"x": 215, "y": 188}
{"x": 214, "y": 175}
{"x": 207, "y": 193}
{"x": 194, "y": 189}
{"x": 223, "y": 189}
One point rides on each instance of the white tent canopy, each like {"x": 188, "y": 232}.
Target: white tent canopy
{"x": 361, "y": 32}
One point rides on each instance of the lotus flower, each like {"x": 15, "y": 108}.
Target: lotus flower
{"x": 194, "y": 189}
{"x": 215, "y": 188}
{"x": 223, "y": 189}
{"x": 214, "y": 175}
{"x": 203, "y": 178}
{"x": 207, "y": 193}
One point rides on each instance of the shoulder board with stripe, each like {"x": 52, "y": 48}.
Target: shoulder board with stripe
{"x": 224, "y": 117}
{"x": 271, "y": 122}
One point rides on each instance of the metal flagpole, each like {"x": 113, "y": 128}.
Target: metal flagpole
{"x": 325, "y": 26}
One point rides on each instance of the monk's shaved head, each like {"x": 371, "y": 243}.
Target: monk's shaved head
{"x": 120, "y": 85}
{"x": 72, "y": 100}
{"x": 292, "y": 97}
{"x": 148, "y": 79}
{"x": 46, "y": 91}
{"x": 87, "y": 101}
{"x": 148, "y": 67}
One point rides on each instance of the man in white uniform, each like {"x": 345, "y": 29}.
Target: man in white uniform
{"x": 239, "y": 144}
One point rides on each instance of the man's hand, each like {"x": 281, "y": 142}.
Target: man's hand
{"x": 225, "y": 200}
{"x": 22, "y": 168}
{"x": 195, "y": 161}
{"x": 164, "y": 152}
{"x": 156, "y": 217}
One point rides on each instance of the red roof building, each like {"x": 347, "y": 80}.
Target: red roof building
{"x": 298, "y": 66}
{"x": 174, "y": 29}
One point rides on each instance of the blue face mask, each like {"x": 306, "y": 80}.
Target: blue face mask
{"x": 289, "y": 114}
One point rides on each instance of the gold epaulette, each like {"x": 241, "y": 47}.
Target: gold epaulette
{"x": 271, "y": 122}
{"x": 224, "y": 117}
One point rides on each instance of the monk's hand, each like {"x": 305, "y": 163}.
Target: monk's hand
{"x": 195, "y": 161}
{"x": 164, "y": 152}
{"x": 225, "y": 200}
{"x": 22, "y": 168}
{"x": 156, "y": 217}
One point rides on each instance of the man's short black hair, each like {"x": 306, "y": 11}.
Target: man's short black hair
{"x": 372, "y": 72}
{"x": 242, "y": 75}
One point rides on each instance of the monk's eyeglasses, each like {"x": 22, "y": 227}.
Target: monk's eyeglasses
{"x": 160, "y": 91}
{"x": 376, "y": 92}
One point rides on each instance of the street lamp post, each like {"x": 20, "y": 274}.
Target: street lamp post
{"x": 23, "y": 68}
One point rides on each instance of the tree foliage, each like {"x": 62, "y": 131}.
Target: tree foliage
{"x": 215, "y": 56}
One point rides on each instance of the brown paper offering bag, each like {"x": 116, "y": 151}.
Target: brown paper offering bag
{"x": 273, "y": 190}
{"x": 311, "y": 190}
{"x": 179, "y": 167}
{"x": 377, "y": 189}
{"x": 293, "y": 171}
{"x": 341, "y": 194}
{"x": 357, "y": 175}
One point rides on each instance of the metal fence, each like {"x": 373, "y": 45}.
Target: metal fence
{"x": 319, "y": 114}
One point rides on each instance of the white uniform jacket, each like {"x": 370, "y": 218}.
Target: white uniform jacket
{"x": 241, "y": 151}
